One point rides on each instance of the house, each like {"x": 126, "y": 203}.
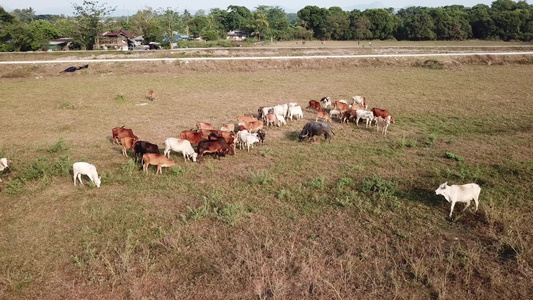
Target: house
{"x": 236, "y": 35}
{"x": 61, "y": 43}
{"x": 116, "y": 40}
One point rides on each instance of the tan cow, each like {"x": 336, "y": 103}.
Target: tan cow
{"x": 252, "y": 126}
{"x": 127, "y": 143}
{"x": 203, "y": 125}
{"x": 246, "y": 119}
{"x": 323, "y": 115}
{"x": 158, "y": 160}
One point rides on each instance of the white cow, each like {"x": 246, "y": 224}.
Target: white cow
{"x": 326, "y": 101}
{"x": 3, "y": 163}
{"x": 279, "y": 110}
{"x": 83, "y": 168}
{"x": 359, "y": 100}
{"x": 335, "y": 113}
{"x": 179, "y": 145}
{"x": 295, "y": 111}
{"x": 364, "y": 114}
{"x": 265, "y": 111}
{"x": 281, "y": 120}
{"x": 459, "y": 193}
{"x": 241, "y": 135}
{"x": 251, "y": 139}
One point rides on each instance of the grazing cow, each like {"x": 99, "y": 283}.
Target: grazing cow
{"x": 295, "y": 111}
{"x": 281, "y": 120}
{"x": 314, "y": 104}
{"x": 342, "y": 107}
{"x": 230, "y": 138}
{"x": 83, "y": 168}
{"x": 261, "y": 134}
{"x": 280, "y": 109}
{"x": 203, "y": 125}
{"x": 219, "y": 147}
{"x": 179, "y": 145}
{"x": 323, "y": 115}
{"x": 271, "y": 119}
{"x": 383, "y": 123}
{"x": 251, "y": 126}
{"x": 158, "y": 160}
{"x": 366, "y": 115}
{"x": 141, "y": 147}
{"x": 459, "y": 193}
{"x": 151, "y": 95}
{"x": 312, "y": 129}
{"x": 3, "y": 163}
{"x": 378, "y": 112}
{"x": 359, "y": 100}
{"x": 241, "y": 137}
{"x": 191, "y": 136}
{"x": 326, "y": 101}
{"x": 120, "y": 132}
{"x": 127, "y": 143}
{"x": 228, "y": 127}
{"x": 247, "y": 118}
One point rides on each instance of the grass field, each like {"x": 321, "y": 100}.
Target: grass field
{"x": 357, "y": 218}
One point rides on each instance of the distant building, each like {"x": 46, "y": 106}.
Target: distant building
{"x": 61, "y": 43}
{"x": 115, "y": 40}
{"x": 236, "y": 35}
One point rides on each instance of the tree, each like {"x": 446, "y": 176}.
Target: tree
{"x": 315, "y": 19}
{"x": 65, "y": 27}
{"x": 144, "y": 23}
{"x": 338, "y": 24}
{"x": 362, "y": 29}
{"x": 259, "y": 24}
{"x": 237, "y": 18}
{"x": 383, "y": 23}
{"x": 481, "y": 22}
{"x": 88, "y": 16}
{"x": 170, "y": 22}
{"x": 41, "y": 33}
{"x": 25, "y": 15}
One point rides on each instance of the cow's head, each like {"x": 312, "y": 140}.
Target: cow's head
{"x": 442, "y": 188}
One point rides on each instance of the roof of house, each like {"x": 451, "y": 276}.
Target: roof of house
{"x": 236, "y": 33}
{"x": 125, "y": 33}
{"x": 60, "y": 41}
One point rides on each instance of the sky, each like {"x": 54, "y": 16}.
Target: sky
{"x": 130, "y": 7}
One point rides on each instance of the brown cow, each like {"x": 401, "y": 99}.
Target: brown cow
{"x": 120, "y": 132}
{"x": 341, "y": 106}
{"x": 251, "y": 126}
{"x": 127, "y": 143}
{"x": 203, "y": 125}
{"x": 159, "y": 160}
{"x": 151, "y": 95}
{"x": 191, "y": 136}
{"x": 314, "y": 104}
{"x": 349, "y": 115}
{"x": 247, "y": 118}
{"x": 323, "y": 115}
{"x": 219, "y": 147}
{"x": 271, "y": 119}
{"x": 378, "y": 112}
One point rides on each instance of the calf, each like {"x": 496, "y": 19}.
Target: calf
{"x": 323, "y": 115}
{"x": 459, "y": 193}
{"x": 151, "y": 95}
{"x": 83, "y": 168}
{"x": 179, "y": 145}
{"x": 228, "y": 127}
{"x": 158, "y": 160}
{"x": 378, "y": 112}
{"x": 120, "y": 132}
{"x": 271, "y": 119}
{"x": 141, "y": 147}
{"x": 250, "y": 140}
{"x": 281, "y": 120}
{"x": 261, "y": 134}
{"x": 191, "y": 136}
{"x": 314, "y": 104}
{"x": 383, "y": 123}
{"x": 127, "y": 143}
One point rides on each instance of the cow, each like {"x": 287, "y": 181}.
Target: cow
{"x": 142, "y": 147}
{"x": 203, "y": 125}
{"x": 127, "y": 143}
{"x": 250, "y": 140}
{"x": 295, "y": 111}
{"x": 179, "y": 145}
{"x": 281, "y": 120}
{"x": 326, "y": 101}
{"x": 251, "y": 126}
{"x": 191, "y": 136}
{"x": 151, "y": 95}
{"x": 158, "y": 160}
{"x": 219, "y": 147}
{"x": 459, "y": 193}
{"x": 228, "y": 127}
{"x": 83, "y": 168}
{"x": 341, "y": 106}
{"x": 359, "y": 100}
{"x": 314, "y": 104}
{"x": 120, "y": 132}
{"x": 313, "y": 129}
{"x": 230, "y": 138}
{"x": 323, "y": 115}
{"x": 378, "y": 112}
{"x": 3, "y": 163}
{"x": 264, "y": 112}
{"x": 247, "y": 118}
{"x": 335, "y": 113}
{"x": 206, "y": 132}
{"x": 364, "y": 114}
{"x": 383, "y": 123}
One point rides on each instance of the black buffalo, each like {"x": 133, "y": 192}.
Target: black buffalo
{"x": 312, "y": 129}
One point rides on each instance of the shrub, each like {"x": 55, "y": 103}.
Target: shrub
{"x": 59, "y": 146}
{"x": 452, "y": 155}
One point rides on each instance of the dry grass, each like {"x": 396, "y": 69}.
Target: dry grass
{"x": 353, "y": 219}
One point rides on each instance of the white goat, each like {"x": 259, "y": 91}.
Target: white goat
{"x": 366, "y": 115}
{"x": 459, "y": 193}
{"x": 295, "y": 111}
{"x": 383, "y": 123}
{"x": 83, "y": 168}
{"x": 179, "y": 145}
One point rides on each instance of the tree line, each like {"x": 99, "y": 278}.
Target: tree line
{"x": 23, "y": 30}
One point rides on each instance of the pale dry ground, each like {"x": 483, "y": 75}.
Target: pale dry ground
{"x": 128, "y": 239}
